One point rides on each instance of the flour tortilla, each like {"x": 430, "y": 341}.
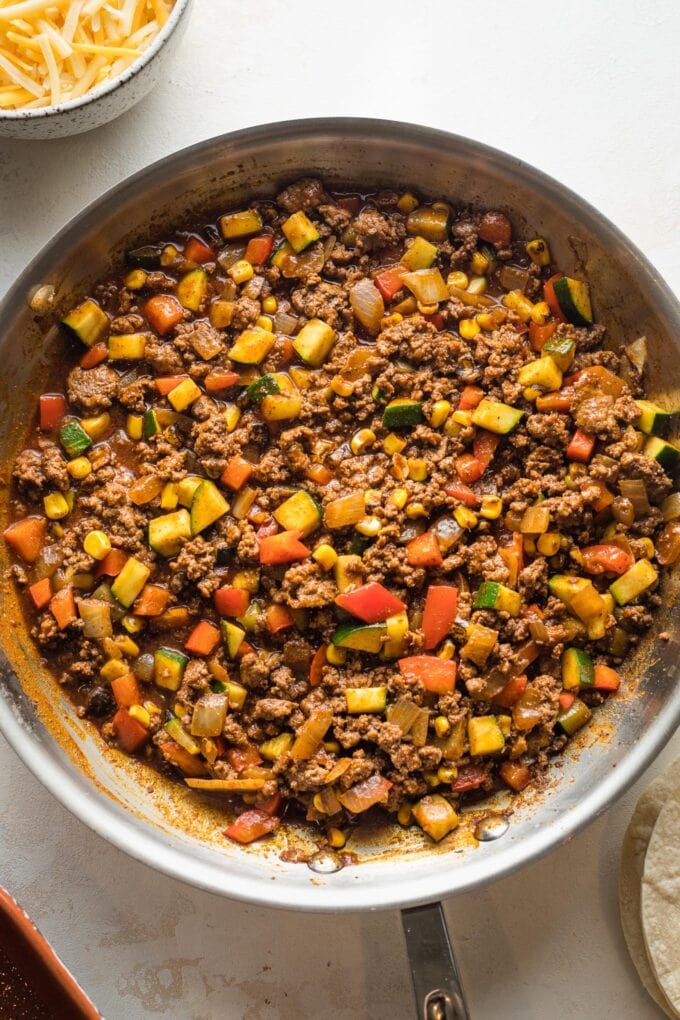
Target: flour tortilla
{"x": 633, "y": 852}
{"x": 661, "y": 899}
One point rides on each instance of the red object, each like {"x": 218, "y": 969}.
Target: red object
{"x": 271, "y": 805}
{"x": 495, "y": 228}
{"x": 152, "y": 601}
{"x": 251, "y": 825}
{"x": 581, "y": 446}
{"x": 285, "y": 547}
{"x": 41, "y": 593}
{"x": 278, "y": 618}
{"x": 242, "y": 758}
{"x": 424, "y": 551}
{"x": 513, "y": 557}
{"x": 350, "y": 203}
{"x": 469, "y": 468}
{"x": 436, "y": 675}
{"x": 26, "y": 537}
{"x": 189, "y": 764}
{"x": 163, "y": 311}
{"x": 112, "y": 564}
{"x": 283, "y": 352}
{"x": 245, "y": 649}
{"x": 316, "y": 666}
{"x": 558, "y": 400}
{"x": 63, "y": 608}
{"x": 236, "y": 473}
{"x": 463, "y": 493}
{"x": 484, "y": 445}
{"x": 52, "y": 410}
{"x": 606, "y": 679}
{"x": 441, "y": 606}
{"x": 437, "y": 320}
{"x": 220, "y": 379}
{"x": 470, "y": 397}
{"x": 469, "y": 778}
{"x": 259, "y": 249}
{"x": 167, "y": 383}
{"x": 269, "y": 527}
{"x": 599, "y": 559}
{"x": 126, "y": 690}
{"x": 515, "y": 775}
{"x": 551, "y": 297}
{"x": 130, "y": 734}
{"x": 197, "y": 250}
{"x": 605, "y": 498}
{"x": 203, "y": 639}
{"x": 512, "y": 692}
{"x": 94, "y": 356}
{"x": 566, "y": 700}
{"x": 231, "y": 601}
{"x": 389, "y": 282}
{"x": 372, "y": 603}
{"x": 539, "y": 335}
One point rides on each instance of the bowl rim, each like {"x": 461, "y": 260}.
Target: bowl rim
{"x": 107, "y": 87}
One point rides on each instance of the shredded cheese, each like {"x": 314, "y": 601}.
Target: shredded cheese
{"x": 55, "y": 50}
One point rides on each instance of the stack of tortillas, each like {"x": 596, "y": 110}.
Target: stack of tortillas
{"x": 649, "y": 889}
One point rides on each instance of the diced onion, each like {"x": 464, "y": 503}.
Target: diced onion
{"x": 209, "y": 714}
{"x": 668, "y": 544}
{"x": 310, "y": 734}
{"x": 364, "y": 795}
{"x": 326, "y": 801}
{"x": 480, "y": 643}
{"x": 635, "y": 490}
{"x": 535, "y": 520}
{"x": 512, "y": 278}
{"x": 637, "y": 353}
{"x": 448, "y": 532}
{"x": 144, "y": 667}
{"x": 367, "y": 304}
{"x": 427, "y": 285}
{"x": 538, "y": 631}
{"x": 50, "y": 557}
{"x": 419, "y": 728}
{"x": 285, "y": 323}
{"x": 231, "y": 254}
{"x": 670, "y": 507}
{"x": 529, "y": 710}
{"x": 403, "y": 714}
{"x": 340, "y": 513}
{"x": 96, "y": 617}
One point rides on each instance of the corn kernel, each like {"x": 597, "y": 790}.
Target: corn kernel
{"x": 418, "y": 469}
{"x": 491, "y": 508}
{"x": 336, "y": 838}
{"x": 336, "y": 656}
{"x": 447, "y": 773}
{"x": 113, "y": 669}
{"x": 56, "y": 506}
{"x": 134, "y": 426}
{"x": 399, "y": 467}
{"x": 504, "y": 724}
{"x": 465, "y": 517}
{"x": 468, "y": 329}
{"x": 369, "y": 526}
{"x": 406, "y": 307}
{"x": 332, "y": 746}
{"x": 399, "y": 498}
{"x": 516, "y": 300}
{"x": 463, "y": 418}
{"x": 441, "y": 409}
{"x": 372, "y": 496}
{"x": 79, "y": 468}
{"x": 152, "y": 708}
{"x": 221, "y": 313}
{"x": 361, "y": 440}
{"x": 232, "y": 416}
{"x": 477, "y": 285}
{"x": 393, "y": 444}
{"x": 97, "y": 545}
{"x": 491, "y": 320}
{"x": 427, "y": 309}
{"x": 57, "y": 530}
{"x": 97, "y": 427}
{"x": 405, "y": 815}
{"x": 538, "y": 251}
{"x": 127, "y": 645}
{"x": 177, "y": 710}
{"x": 479, "y": 263}
{"x": 458, "y": 280}
{"x": 391, "y": 320}
{"x": 325, "y": 555}
{"x": 540, "y": 313}
{"x": 415, "y": 510}
{"x": 169, "y": 255}
{"x": 452, "y": 428}
{"x": 269, "y": 304}
{"x": 532, "y": 393}
{"x": 649, "y": 550}
{"x": 549, "y": 543}
{"x": 446, "y": 651}
{"x": 442, "y": 726}
{"x": 135, "y": 280}
{"x": 407, "y": 202}
{"x": 343, "y": 387}
{"x": 431, "y": 778}
{"x": 139, "y": 713}
{"x": 264, "y": 322}
{"x": 241, "y": 271}
{"x": 132, "y": 624}
{"x": 529, "y": 545}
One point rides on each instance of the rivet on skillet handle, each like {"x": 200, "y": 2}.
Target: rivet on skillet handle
{"x": 436, "y": 981}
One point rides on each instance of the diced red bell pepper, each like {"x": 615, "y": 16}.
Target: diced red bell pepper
{"x": 26, "y": 537}
{"x": 167, "y": 383}
{"x": 197, "y": 250}
{"x": 152, "y": 600}
{"x": 469, "y": 777}
{"x": 390, "y": 281}
{"x": 236, "y": 473}
{"x": 126, "y": 690}
{"x": 470, "y": 397}
{"x": 242, "y": 758}
{"x": 259, "y": 249}
{"x": 566, "y": 700}
{"x": 112, "y": 564}
{"x": 278, "y": 618}
{"x": 245, "y": 648}
{"x": 605, "y": 497}
{"x": 189, "y": 764}
{"x": 282, "y": 353}
{"x": 203, "y": 639}
{"x": 316, "y": 666}
{"x": 94, "y": 356}
{"x": 558, "y": 400}
{"x": 515, "y": 775}
{"x": 436, "y": 675}
{"x": 539, "y": 335}
{"x": 130, "y": 734}
{"x": 484, "y": 445}
{"x": 606, "y": 678}
{"x": 231, "y": 601}
{"x": 271, "y": 805}
{"x": 581, "y": 446}
{"x": 441, "y": 606}
{"x": 496, "y": 228}
{"x": 469, "y": 469}
{"x": 285, "y": 547}
{"x": 372, "y": 603}
{"x": 437, "y": 320}
{"x": 551, "y": 297}
{"x": 52, "y": 410}
{"x": 600, "y": 559}
{"x": 41, "y": 593}
{"x": 163, "y": 311}
{"x": 512, "y": 692}
{"x": 220, "y": 379}
{"x": 251, "y": 825}
{"x": 513, "y": 557}
{"x": 63, "y": 607}
{"x": 463, "y": 493}
{"x": 424, "y": 551}
{"x": 350, "y": 203}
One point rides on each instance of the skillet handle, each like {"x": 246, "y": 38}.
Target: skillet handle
{"x": 436, "y": 981}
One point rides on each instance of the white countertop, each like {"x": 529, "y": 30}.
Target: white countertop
{"x": 590, "y": 94}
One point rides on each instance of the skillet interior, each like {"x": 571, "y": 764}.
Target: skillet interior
{"x": 155, "y": 821}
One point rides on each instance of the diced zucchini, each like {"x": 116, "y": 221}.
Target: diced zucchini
{"x": 542, "y": 372}
{"x": 168, "y": 669}
{"x": 88, "y": 322}
{"x": 168, "y": 533}
{"x": 577, "y": 669}
{"x": 653, "y": 420}
{"x": 184, "y": 395}
{"x": 281, "y": 406}
{"x": 433, "y": 224}
{"x": 573, "y": 297}
{"x": 562, "y": 350}
{"x": 130, "y": 582}
{"x": 247, "y": 580}
{"x": 74, "y": 438}
{"x": 299, "y": 230}
{"x": 240, "y": 224}
{"x": 667, "y": 454}
{"x": 347, "y": 569}
{"x": 175, "y": 730}
{"x": 360, "y": 638}
{"x": 497, "y": 417}
{"x": 186, "y": 489}
{"x": 565, "y": 587}
{"x": 146, "y": 257}
{"x": 252, "y": 346}
{"x": 192, "y": 289}
{"x": 279, "y": 254}
{"x": 401, "y": 414}
{"x": 420, "y": 255}
{"x": 492, "y": 595}
{"x": 265, "y": 386}
{"x": 207, "y": 506}
{"x": 574, "y": 717}
{"x": 299, "y": 512}
{"x": 485, "y": 735}
{"x": 276, "y": 746}
{"x": 150, "y": 425}
{"x": 396, "y": 628}
{"x": 314, "y": 342}
{"x": 233, "y": 637}
{"x": 641, "y": 576}
{"x": 365, "y": 699}
{"x": 127, "y": 347}
{"x": 237, "y": 695}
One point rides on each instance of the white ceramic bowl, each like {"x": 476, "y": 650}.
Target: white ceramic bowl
{"x": 108, "y": 100}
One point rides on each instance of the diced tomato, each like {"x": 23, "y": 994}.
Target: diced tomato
{"x": 63, "y": 607}
{"x": 319, "y": 474}
{"x": 251, "y": 825}
{"x": 112, "y": 564}
{"x": 94, "y": 356}
{"x": 551, "y": 297}
{"x": 605, "y": 497}
{"x": 277, "y": 618}
{"x": 484, "y": 445}
{"x": 512, "y": 692}
{"x": 271, "y": 805}
{"x": 350, "y": 203}
{"x": 236, "y": 473}
{"x": 469, "y": 777}
{"x": 462, "y": 492}
{"x": 152, "y": 601}
{"x": 539, "y": 335}
{"x": 437, "y": 320}
{"x": 389, "y": 281}
{"x": 130, "y": 734}
{"x": 52, "y": 410}
{"x": 372, "y": 603}
{"x": 231, "y": 601}
{"x": 469, "y": 469}
{"x": 267, "y": 528}
{"x": 197, "y": 250}
{"x": 282, "y": 353}
{"x": 316, "y": 666}
{"x": 441, "y": 606}
{"x": 470, "y": 397}
{"x": 245, "y": 648}
{"x": 581, "y": 446}
{"x": 190, "y": 764}
{"x": 259, "y": 249}
{"x": 558, "y": 400}
{"x": 436, "y": 675}
{"x": 242, "y": 758}
{"x": 126, "y": 690}
{"x": 167, "y": 383}
{"x": 606, "y": 678}
{"x": 220, "y": 379}
{"x": 513, "y": 557}
{"x": 163, "y": 311}
{"x": 285, "y": 547}
{"x": 41, "y": 593}
{"x": 203, "y": 639}
{"x": 515, "y": 775}
{"x": 600, "y": 559}
{"x": 566, "y": 700}
{"x": 26, "y": 537}
{"x": 424, "y": 551}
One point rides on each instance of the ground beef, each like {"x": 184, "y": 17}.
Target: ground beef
{"x": 306, "y": 194}
{"x": 375, "y": 230}
{"x": 94, "y": 389}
